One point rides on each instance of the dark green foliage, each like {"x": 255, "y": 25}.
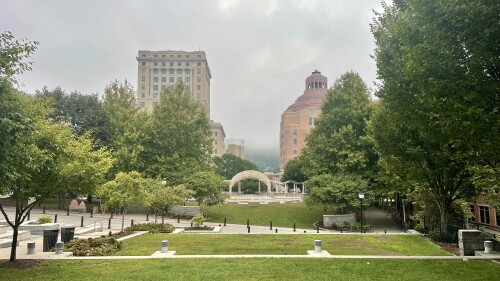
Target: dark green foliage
{"x": 151, "y": 227}
{"x": 228, "y": 165}
{"x": 294, "y": 171}
{"x": 104, "y": 246}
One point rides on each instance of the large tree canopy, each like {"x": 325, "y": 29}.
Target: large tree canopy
{"x": 228, "y": 165}
{"x": 438, "y": 124}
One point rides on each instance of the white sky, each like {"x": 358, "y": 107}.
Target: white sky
{"x": 259, "y": 52}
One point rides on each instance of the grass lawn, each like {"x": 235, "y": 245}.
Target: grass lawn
{"x": 258, "y": 269}
{"x": 282, "y": 215}
{"x": 281, "y": 244}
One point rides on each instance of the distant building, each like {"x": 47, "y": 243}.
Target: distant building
{"x": 298, "y": 119}
{"x": 158, "y": 70}
{"x": 484, "y": 214}
{"x": 236, "y": 147}
{"x": 218, "y": 136}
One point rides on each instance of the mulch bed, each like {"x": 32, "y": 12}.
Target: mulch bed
{"x": 21, "y": 264}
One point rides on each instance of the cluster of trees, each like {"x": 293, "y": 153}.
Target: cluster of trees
{"x": 434, "y": 132}
{"x": 54, "y": 144}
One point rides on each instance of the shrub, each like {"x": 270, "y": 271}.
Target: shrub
{"x": 103, "y": 246}
{"x": 419, "y": 228}
{"x": 446, "y": 237}
{"x": 44, "y": 219}
{"x": 198, "y": 218}
{"x": 151, "y": 227}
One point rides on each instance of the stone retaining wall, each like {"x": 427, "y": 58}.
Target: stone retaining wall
{"x": 184, "y": 210}
{"x": 329, "y": 220}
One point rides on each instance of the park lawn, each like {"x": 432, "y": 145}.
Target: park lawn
{"x": 258, "y": 269}
{"x": 282, "y": 215}
{"x": 281, "y": 244}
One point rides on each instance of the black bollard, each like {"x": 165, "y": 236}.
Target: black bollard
{"x": 109, "y": 224}
{"x": 294, "y": 227}
{"x": 110, "y": 233}
{"x": 178, "y": 219}
{"x": 162, "y": 219}
{"x": 131, "y": 222}
{"x": 44, "y": 210}
{"x": 224, "y": 221}
{"x": 81, "y": 223}
{"x": 304, "y": 231}
{"x": 67, "y": 213}
{"x": 275, "y": 230}
{"x": 317, "y": 228}
{"x": 248, "y": 223}
{"x": 191, "y": 224}
{"x": 270, "y": 225}
{"x": 147, "y": 216}
{"x": 248, "y": 228}
{"x": 341, "y": 230}
{"x": 385, "y": 231}
{"x": 29, "y": 214}
{"x": 55, "y": 218}
{"x": 92, "y": 212}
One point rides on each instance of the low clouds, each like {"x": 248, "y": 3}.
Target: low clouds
{"x": 259, "y": 52}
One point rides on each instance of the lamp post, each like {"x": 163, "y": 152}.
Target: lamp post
{"x": 361, "y": 197}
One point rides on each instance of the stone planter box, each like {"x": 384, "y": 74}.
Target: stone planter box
{"x": 330, "y": 220}
{"x": 37, "y": 229}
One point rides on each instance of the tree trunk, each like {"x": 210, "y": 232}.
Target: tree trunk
{"x": 60, "y": 201}
{"x": 123, "y": 219}
{"x": 13, "y": 257}
{"x": 443, "y": 214}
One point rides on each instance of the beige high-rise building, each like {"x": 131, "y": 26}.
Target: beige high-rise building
{"x": 218, "y": 136}
{"x": 158, "y": 70}
{"x": 236, "y": 147}
{"x": 298, "y": 119}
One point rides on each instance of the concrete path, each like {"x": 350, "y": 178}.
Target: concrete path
{"x": 381, "y": 221}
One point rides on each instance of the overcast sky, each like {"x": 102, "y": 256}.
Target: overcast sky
{"x": 259, "y": 52}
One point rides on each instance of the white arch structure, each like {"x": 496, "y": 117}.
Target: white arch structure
{"x": 249, "y": 174}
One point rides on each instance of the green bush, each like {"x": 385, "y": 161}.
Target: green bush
{"x": 104, "y": 246}
{"x": 151, "y": 227}
{"x": 436, "y": 235}
{"x": 419, "y": 228}
{"x": 44, "y": 219}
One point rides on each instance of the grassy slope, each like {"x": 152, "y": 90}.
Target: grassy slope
{"x": 282, "y": 215}
{"x": 259, "y": 269}
{"x": 281, "y": 244}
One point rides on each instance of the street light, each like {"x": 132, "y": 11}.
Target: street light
{"x": 361, "y": 197}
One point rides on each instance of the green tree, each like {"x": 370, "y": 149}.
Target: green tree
{"x": 439, "y": 67}
{"x": 339, "y": 158}
{"x": 120, "y": 193}
{"x": 293, "y": 171}
{"x": 12, "y": 54}
{"x": 178, "y": 141}
{"x": 228, "y": 165}
{"x": 208, "y": 187}
{"x": 127, "y": 127}
{"x": 158, "y": 196}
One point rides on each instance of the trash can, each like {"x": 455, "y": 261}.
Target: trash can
{"x": 67, "y": 233}
{"x": 49, "y": 239}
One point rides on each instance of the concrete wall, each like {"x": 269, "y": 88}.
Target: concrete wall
{"x": 329, "y": 220}
{"x": 184, "y": 210}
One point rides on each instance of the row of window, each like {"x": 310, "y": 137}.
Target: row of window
{"x": 484, "y": 215}
{"x": 164, "y": 56}
{"x": 155, "y": 95}
{"x": 171, "y": 79}
{"x": 171, "y": 71}
{"x": 155, "y": 87}
{"x": 171, "y": 63}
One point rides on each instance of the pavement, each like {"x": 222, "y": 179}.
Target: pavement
{"x": 381, "y": 223}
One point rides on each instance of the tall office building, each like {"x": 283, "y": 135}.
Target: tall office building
{"x": 158, "y": 70}
{"x": 298, "y": 119}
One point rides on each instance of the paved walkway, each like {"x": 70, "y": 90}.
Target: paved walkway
{"x": 381, "y": 221}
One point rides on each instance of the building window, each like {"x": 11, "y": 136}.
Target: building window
{"x": 179, "y": 64}
{"x": 171, "y": 64}
{"x": 198, "y": 87}
{"x": 155, "y": 87}
{"x": 198, "y": 71}
{"x": 188, "y": 79}
{"x": 155, "y": 95}
{"x": 163, "y": 64}
{"x": 188, "y": 71}
{"x": 179, "y": 56}
{"x": 198, "y": 79}
{"x": 295, "y": 132}
{"x": 171, "y": 71}
{"x": 484, "y": 214}
{"x": 155, "y": 56}
{"x": 179, "y": 79}
{"x": 143, "y": 95}
{"x": 143, "y": 104}
{"x": 155, "y": 63}
{"x": 198, "y": 63}
{"x": 163, "y": 87}
{"x": 143, "y": 87}
{"x": 143, "y": 55}
{"x": 497, "y": 212}
{"x": 471, "y": 208}
{"x": 143, "y": 63}
{"x": 187, "y": 88}
{"x": 311, "y": 121}
{"x": 199, "y": 56}
{"x": 295, "y": 141}
{"x": 198, "y": 95}
{"x": 143, "y": 78}
{"x": 187, "y": 63}
{"x": 155, "y": 79}
{"x": 295, "y": 151}
{"x": 155, "y": 71}
{"x": 163, "y": 56}
{"x": 163, "y": 71}
{"x": 143, "y": 71}
{"x": 179, "y": 71}
{"x": 164, "y": 79}
{"x": 172, "y": 80}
